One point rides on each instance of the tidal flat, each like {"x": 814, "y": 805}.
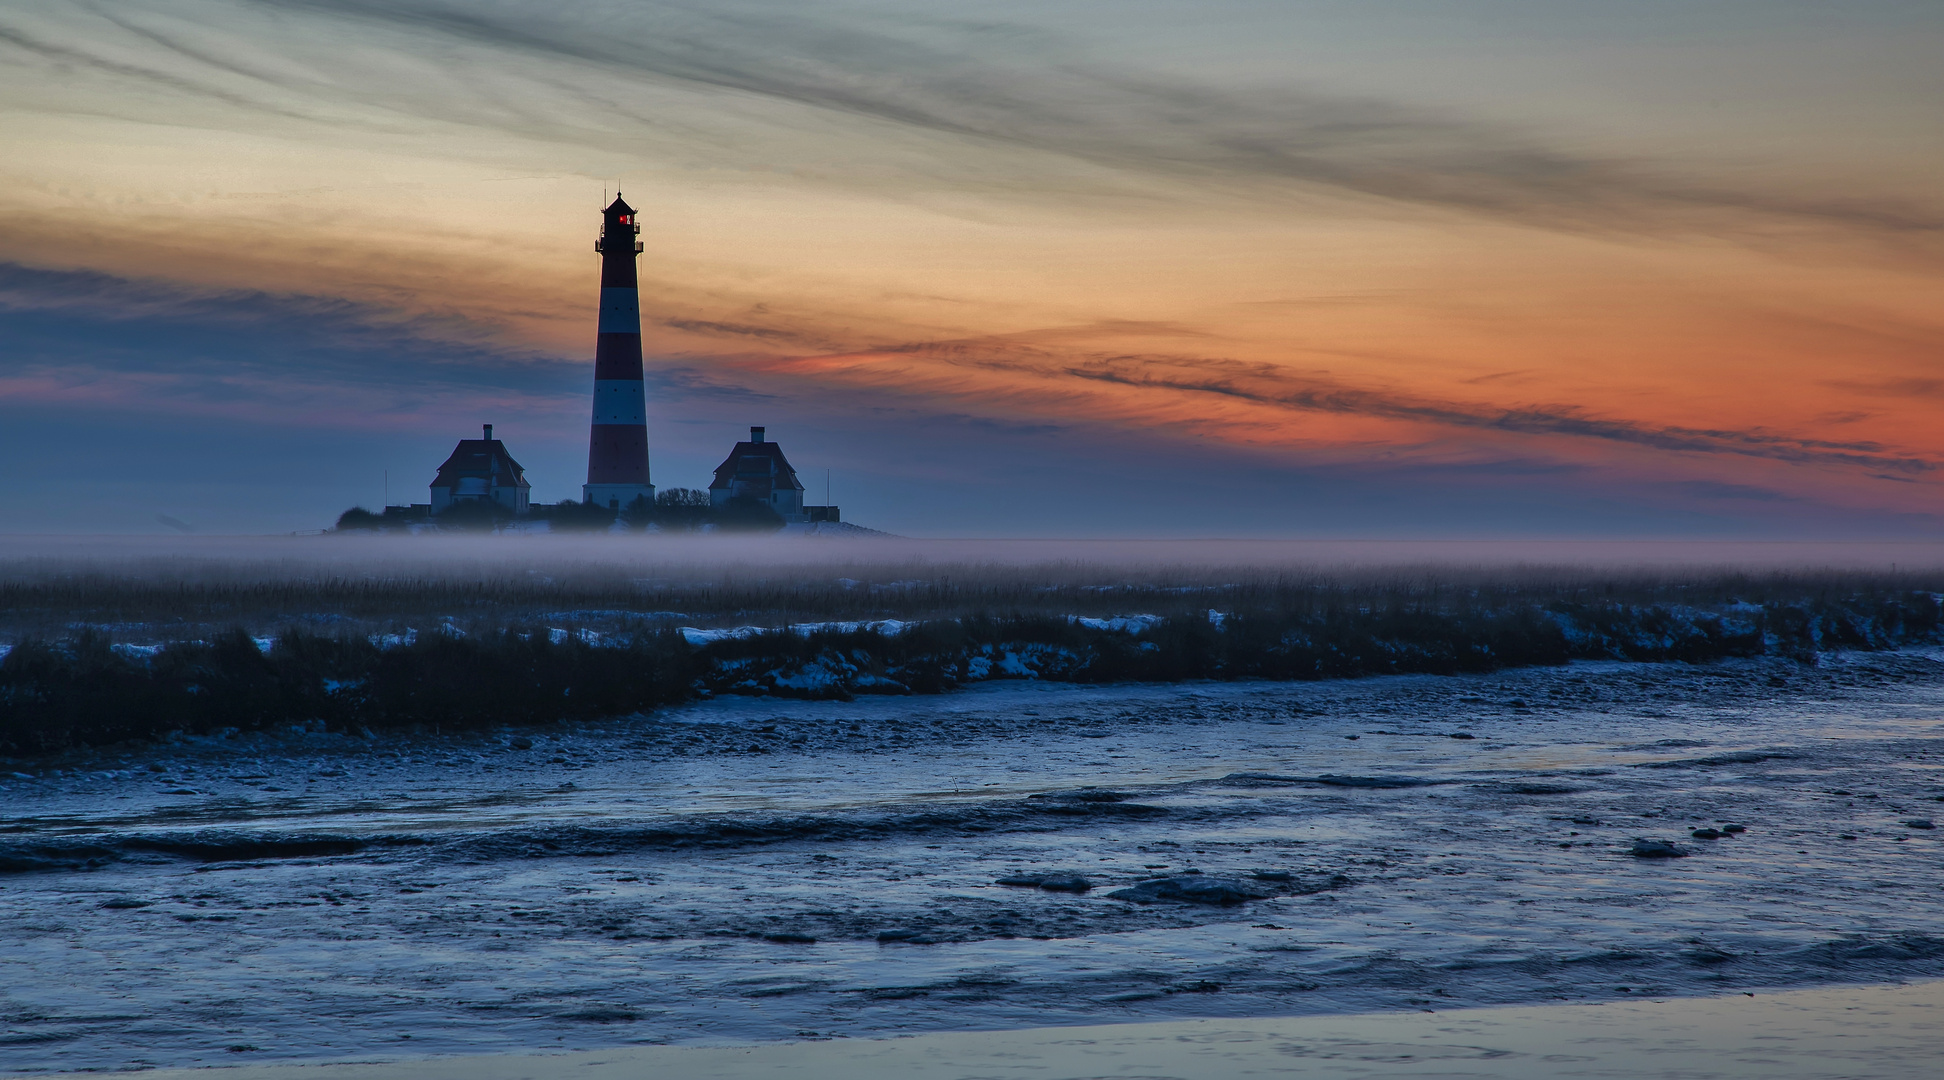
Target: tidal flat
{"x": 754, "y": 869}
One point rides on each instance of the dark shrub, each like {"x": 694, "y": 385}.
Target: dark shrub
{"x": 358, "y": 519}
{"x": 571, "y": 516}
{"x": 85, "y": 693}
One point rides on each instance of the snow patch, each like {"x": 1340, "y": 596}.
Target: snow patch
{"x": 887, "y": 627}
{"x": 1120, "y": 624}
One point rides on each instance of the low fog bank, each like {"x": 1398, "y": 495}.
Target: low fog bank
{"x": 116, "y": 640}
{"x": 376, "y": 556}
{"x": 154, "y": 590}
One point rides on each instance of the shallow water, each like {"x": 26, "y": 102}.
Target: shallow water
{"x": 659, "y": 879}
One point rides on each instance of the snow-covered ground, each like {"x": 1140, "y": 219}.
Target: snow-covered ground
{"x": 752, "y": 868}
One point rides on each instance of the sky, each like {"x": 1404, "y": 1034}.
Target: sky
{"x": 1301, "y": 268}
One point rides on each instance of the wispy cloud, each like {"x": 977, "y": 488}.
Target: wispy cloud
{"x": 1714, "y": 489}
{"x": 1292, "y": 390}
{"x": 1894, "y": 388}
{"x": 986, "y": 87}
{"x": 342, "y": 116}
{"x": 80, "y": 54}
{"x": 152, "y": 342}
{"x": 1271, "y": 387}
{"x": 751, "y": 331}
{"x": 84, "y": 337}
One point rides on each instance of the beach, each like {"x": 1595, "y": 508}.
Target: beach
{"x": 1886, "y": 1032}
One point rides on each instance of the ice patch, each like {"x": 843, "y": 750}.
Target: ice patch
{"x": 1125, "y": 624}
{"x": 608, "y": 614}
{"x": 1122, "y": 624}
{"x": 1010, "y": 664}
{"x": 819, "y": 678}
{"x": 887, "y": 627}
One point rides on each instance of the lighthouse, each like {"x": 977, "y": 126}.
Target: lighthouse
{"x": 617, "y": 442}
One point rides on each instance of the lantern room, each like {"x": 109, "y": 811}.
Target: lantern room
{"x": 618, "y": 228}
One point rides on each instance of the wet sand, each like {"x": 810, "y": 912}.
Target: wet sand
{"x": 1853, "y": 1032}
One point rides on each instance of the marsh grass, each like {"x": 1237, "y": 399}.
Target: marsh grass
{"x": 80, "y": 690}
{"x": 128, "y": 638}
{"x": 83, "y": 692}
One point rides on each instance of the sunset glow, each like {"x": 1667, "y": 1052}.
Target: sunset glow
{"x": 1679, "y": 261}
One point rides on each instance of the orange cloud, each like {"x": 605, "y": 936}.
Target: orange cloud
{"x": 906, "y": 211}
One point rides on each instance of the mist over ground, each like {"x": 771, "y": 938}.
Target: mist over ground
{"x": 108, "y": 640}
{"x": 450, "y": 557}
{"x": 145, "y": 585}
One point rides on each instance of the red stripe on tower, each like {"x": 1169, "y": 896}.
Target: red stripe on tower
{"x": 617, "y": 441}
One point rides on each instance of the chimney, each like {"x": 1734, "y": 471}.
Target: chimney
{"x": 489, "y": 432}
{"x": 755, "y": 434}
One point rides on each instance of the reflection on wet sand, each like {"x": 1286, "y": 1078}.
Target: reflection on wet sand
{"x": 1877, "y": 1032}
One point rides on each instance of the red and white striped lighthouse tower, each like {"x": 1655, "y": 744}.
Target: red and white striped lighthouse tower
{"x": 617, "y": 444}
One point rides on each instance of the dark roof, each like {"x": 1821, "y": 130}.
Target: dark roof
{"x": 480, "y": 457}
{"x": 756, "y": 461}
{"x": 617, "y": 206}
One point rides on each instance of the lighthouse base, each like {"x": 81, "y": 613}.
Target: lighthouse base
{"x": 616, "y": 496}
